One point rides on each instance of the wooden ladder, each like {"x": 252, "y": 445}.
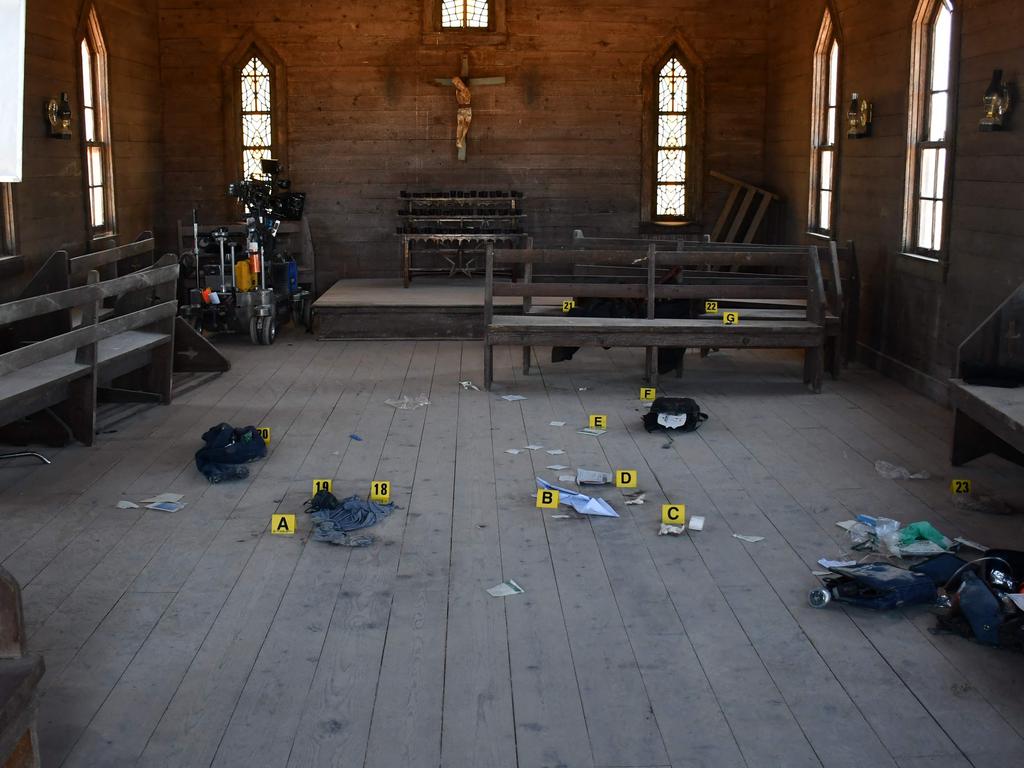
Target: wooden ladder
{"x": 737, "y": 210}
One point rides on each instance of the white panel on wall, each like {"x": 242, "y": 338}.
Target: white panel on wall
{"x": 12, "y": 87}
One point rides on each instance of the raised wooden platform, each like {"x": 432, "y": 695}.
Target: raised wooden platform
{"x": 430, "y": 308}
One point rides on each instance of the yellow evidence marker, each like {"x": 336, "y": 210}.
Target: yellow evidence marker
{"x": 264, "y": 432}
{"x": 960, "y": 486}
{"x": 711, "y": 307}
{"x": 625, "y": 478}
{"x": 282, "y": 525}
{"x": 673, "y": 514}
{"x": 730, "y": 318}
{"x": 598, "y": 421}
{"x": 648, "y": 393}
{"x": 323, "y": 485}
{"x": 568, "y": 305}
{"x": 547, "y": 499}
{"x": 380, "y": 491}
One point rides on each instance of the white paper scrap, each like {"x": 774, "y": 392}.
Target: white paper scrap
{"x": 561, "y": 517}
{"x": 847, "y": 524}
{"x": 127, "y": 505}
{"x": 748, "y": 539}
{"x": 533, "y": 447}
{"x": 672, "y": 421}
{"x": 592, "y": 431}
{"x": 513, "y": 451}
{"x": 166, "y": 506}
{"x": 671, "y": 530}
{"x": 697, "y": 523}
{"x": 592, "y": 477}
{"x": 567, "y": 478}
{"x": 555, "y": 452}
{"x": 505, "y": 589}
{"x": 512, "y": 398}
{"x": 557, "y": 467}
{"x": 164, "y": 497}
{"x": 557, "y": 423}
{"x": 469, "y": 385}
{"x": 636, "y": 500}
{"x": 826, "y": 563}
{"x": 970, "y": 544}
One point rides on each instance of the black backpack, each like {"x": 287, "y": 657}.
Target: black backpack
{"x": 679, "y": 414}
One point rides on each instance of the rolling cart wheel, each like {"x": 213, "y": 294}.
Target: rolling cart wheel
{"x": 267, "y": 330}
{"x": 819, "y": 598}
{"x": 254, "y": 331}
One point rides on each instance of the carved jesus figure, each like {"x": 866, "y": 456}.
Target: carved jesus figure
{"x": 465, "y": 114}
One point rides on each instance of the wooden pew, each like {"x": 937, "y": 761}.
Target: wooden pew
{"x": 20, "y": 674}
{"x": 988, "y": 418}
{"x": 531, "y": 329}
{"x": 117, "y": 261}
{"x": 839, "y": 275}
{"x": 65, "y": 372}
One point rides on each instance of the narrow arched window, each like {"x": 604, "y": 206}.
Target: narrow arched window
{"x": 930, "y": 130}
{"x": 825, "y": 130}
{"x": 465, "y": 14}
{"x": 672, "y": 147}
{"x": 257, "y": 116}
{"x": 96, "y": 159}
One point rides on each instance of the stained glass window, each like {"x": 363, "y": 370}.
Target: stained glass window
{"x": 257, "y": 120}
{"x": 932, "y": 133}
{"x": 96, "y": 130}
{"x": 670, "y": 182}
{"x": 465, "y": 14}
{"x": 825, "y": 126}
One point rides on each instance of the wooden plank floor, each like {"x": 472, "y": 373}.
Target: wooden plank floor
{"x": 199, "y": 639}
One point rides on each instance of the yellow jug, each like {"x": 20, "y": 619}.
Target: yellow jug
{"x": 243, "y": 276}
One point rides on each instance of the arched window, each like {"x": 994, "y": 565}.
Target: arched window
{"x": 465, "y": 14}
{"x": 671, "y": 135}
{"x": 257, "y": 116}
{"x": 825, "y": 130}
{"x": 256, "y": 119}
{"x": 930, "y": 129}
{"x": 96, "y": 160}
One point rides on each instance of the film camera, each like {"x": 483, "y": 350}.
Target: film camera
{"x": 264, "y": 195}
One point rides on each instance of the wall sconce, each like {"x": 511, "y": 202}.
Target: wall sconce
{"x": 858, "y": 119}
{"x": 58, "y": 115}
{"x": 997, "y": 103}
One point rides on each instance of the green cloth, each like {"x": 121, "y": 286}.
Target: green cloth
{"x": 922, "y": 530}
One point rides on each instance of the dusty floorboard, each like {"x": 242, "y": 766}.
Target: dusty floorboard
{"x": 199, "y": 639}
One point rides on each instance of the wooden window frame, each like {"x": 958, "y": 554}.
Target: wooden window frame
{"x": 90, "y": 33}
{"x": 828, "y": 35}
{"x": 249, "y": 46}
{"x": 677, "y": 46}
{"x": 434, "y": 34}
{"x": 918, "y": 109}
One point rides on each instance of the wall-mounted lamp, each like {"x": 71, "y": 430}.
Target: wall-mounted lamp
{"x": 858, "y": 119}
{"x": 58, "y": 115}
{"x": 997, "y": 103}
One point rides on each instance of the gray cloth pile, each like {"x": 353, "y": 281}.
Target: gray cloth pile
{"x": 334, "y": 520}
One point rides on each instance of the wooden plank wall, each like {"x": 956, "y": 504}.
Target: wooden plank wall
{"x": 50, "y": 203}
{"x": 915, "y": 315}
{"x": 365, "y": 120}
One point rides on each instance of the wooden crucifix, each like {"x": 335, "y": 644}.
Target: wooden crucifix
{"x": 463, "y": 84}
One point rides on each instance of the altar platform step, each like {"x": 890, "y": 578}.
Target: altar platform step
{"x": 430, "y": 308}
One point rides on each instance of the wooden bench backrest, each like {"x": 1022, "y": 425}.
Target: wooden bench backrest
{"x": 138, "y": 255}
{"x": 12, "y": 622}
{"x": 88, "y": 297}
{"x": 725, "y": 286}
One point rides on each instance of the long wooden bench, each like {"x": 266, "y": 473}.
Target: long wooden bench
{"x": 988, "y": 418}
{"x": 839, "y": 275}
{"x": 20, "y": 674}
{"x": 129, "y": 354}
{"x": 533, "y": 329}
